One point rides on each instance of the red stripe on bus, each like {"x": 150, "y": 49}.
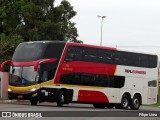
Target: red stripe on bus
{"x": 33, "y": 62}
{"x": 85, "y": 67}
{"x": 24, "y": 63}
{"x": 92, "y": 96}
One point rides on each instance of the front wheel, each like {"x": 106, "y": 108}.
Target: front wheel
{"x": 60, "y": 99}
{"x": 135, "y": 103}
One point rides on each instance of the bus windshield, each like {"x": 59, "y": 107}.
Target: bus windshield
{"x": 23, "y": 76}
{"x": 29, "y": 52}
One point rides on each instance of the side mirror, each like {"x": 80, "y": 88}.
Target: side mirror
{"x": 4, "y": 63}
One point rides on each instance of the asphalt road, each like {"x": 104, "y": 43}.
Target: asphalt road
{"x": 87, "y": 112}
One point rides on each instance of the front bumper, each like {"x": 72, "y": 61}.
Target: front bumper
{"x": 20, "y": 96}
{"x": 41, "y": 95}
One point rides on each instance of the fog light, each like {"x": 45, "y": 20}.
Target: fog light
{"x": 9, "y": 90}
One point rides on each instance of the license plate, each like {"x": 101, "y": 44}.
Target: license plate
{"x": 20, "y": 96}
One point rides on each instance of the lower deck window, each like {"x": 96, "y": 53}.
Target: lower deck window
{"x": 93, "y": 80}
{"x": 152, "y": 83}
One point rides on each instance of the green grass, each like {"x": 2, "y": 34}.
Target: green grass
{"x": 154, "y": 105}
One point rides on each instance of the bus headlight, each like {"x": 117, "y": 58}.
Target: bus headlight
{"x": 9, "y": 90}
{"x": 33, "y": 89}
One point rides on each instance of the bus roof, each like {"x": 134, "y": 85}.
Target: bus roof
{"x": 89, "y": 45}
{"x": 46, "y": 41}
{"x": 109, "y": 48}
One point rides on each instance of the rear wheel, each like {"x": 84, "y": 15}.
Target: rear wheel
{"x": 124, "y": 103}
{"x": 135, "y": 103}
{"x": 60, "y": 99}
{"x": 33, "y": 101}
{"x": 99, "y": 105}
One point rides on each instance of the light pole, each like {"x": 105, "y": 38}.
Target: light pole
{"x": 102, "y": 17}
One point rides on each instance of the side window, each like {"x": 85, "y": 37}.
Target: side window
{"x": 105, "y": 56}
{"x": 120, "y": 58}
{"x": 152, "y": 83}
{"x": 93, "y": 80}
{"x": 70, "y": 54}
{"x": 144, "y": 61}
{"x": 102, "y": 80}
{"x": 153, "y": 61}
{"x": 66, "y": 79}
{"x": 136, "y": 59}
{"x": 54, "y": 50}
{"x": 119, "y": 81}
{"x": 116, "y": 58}
{"x": 87, "y": 79}
{"x": 47, "y": 75}
{"x": 47, "y": 71}
{"x": 133, "y": 59}
{"x": 90, "y": 54}
{"x": 74, "y": 53}
{"x": 44, "y": 76}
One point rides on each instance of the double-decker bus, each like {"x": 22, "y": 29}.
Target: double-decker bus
{"x": 66, "y": 72}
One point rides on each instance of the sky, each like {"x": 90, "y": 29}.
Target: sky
{"x": 129, "y": 24}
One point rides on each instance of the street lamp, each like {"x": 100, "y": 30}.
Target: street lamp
{"x": 102, "y": 17}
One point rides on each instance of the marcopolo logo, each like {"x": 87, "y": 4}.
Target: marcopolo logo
{"x": 135, "y": 71}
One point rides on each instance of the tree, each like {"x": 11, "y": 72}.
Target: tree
{"x": 7, "y": 45}
{"x": 30, "y": 20}
{"x": 9, "y": 22}
{"x": 38, "y": 19}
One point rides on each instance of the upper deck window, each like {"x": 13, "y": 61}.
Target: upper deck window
{"x": 28, "y": 52}
{"x": 31, "y": 51}
{"x": 88, "y": 54}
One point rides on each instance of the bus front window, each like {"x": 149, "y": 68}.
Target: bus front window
{"x": 23, "y": 76}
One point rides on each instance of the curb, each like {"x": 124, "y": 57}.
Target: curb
{"x": 7, "y": 101}
{"x": 13, "y": 101}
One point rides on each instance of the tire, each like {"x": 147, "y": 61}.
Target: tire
{"x": 60, "y": 99}
{"x": 33, "y": 101}
{"x": 135, "y": 103}
{"x": 99, "y": 105}
{"x": 124, "y": 102}
{"x": 110, "y": 106}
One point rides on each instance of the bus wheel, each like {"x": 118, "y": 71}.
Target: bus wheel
{"x": 135, "y": 103}
{"x": 33, "y": 101}
{"x": 99, "y": 105}
{"x": 125, "y": 102}
{"x": 60, "y": 99}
